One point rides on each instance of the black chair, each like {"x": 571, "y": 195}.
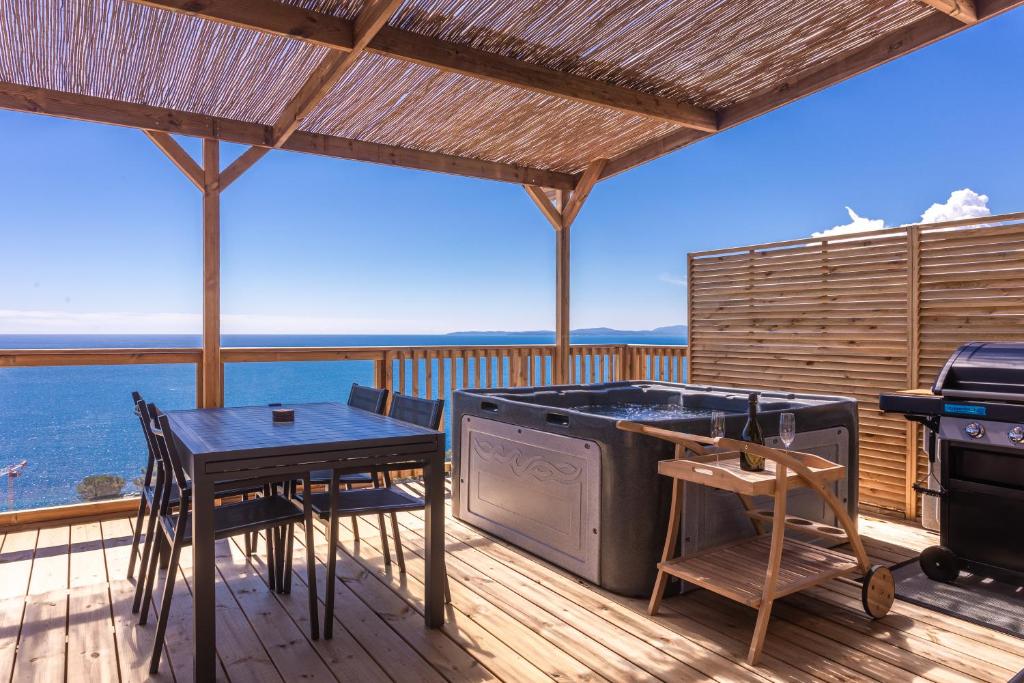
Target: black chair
{"x": 379, "y": 500}
{"x": 272, "y": 513}
{"x": 148, "y": 507}
{"x": 372, "y": 400}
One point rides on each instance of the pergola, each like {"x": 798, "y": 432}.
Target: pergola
{"x": 554, "y": 95}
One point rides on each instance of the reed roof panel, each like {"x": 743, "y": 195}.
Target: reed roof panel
{"x": 691, "y": 66}
{"x": 408, "y": 105}
{"x": 712, "y": 53}
{"x": 127, "y": 52}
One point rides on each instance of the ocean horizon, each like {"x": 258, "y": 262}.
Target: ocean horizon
{"x": 73, "y": 422}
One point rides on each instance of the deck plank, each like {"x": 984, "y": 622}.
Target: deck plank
{"x": 291, "y": 652}
{"x": 41, "y": 649}
{"x": 91, "y": 650}
{"x": 690, "y": 646}
{"x": 513, "y": 618}
{"x": 134, "y": 644}
{"x": 15, "y": 574}
{"x": 343, "y": 654}
{"x": 483, "y": 616}
{"x": 457, "y": 651}
{"x": 608, "y": 642}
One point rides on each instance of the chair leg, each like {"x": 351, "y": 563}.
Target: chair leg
{"x": 165, "y": 607}
{"x": 147, "y": 552}
{"x": 139, "y": 518}
{"x": 279, "y": 544}
{"x": 314, "y": 617}
{"x": 332, "y": 564}
{"x": 288, "y": 549}
{"x": 147, "y": 585}
{"x": 383, "y": 539}
{"x": 248, "y": 536}
{"x": 447, "y": 587}
{"x": 355, "y": 520}
{"x": 398, "y": 543}
{"x": 271, "y": 561}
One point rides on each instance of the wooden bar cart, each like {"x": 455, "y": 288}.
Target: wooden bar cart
{"x": 759, "y": 569}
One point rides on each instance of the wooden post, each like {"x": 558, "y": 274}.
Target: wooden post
{"x": 561, "y": 209}
{"x": 213, "y": 382}
{"x": 562, "y": 327}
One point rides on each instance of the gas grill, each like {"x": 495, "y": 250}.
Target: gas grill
{"x": 974, "y": 420}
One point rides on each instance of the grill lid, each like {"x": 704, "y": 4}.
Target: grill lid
{"x": 984, "y": 371}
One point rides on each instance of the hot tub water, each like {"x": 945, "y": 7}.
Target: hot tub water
{"x": 645, "y": 411}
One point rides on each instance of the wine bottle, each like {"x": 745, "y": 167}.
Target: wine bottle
{"x": 752, "y": 434}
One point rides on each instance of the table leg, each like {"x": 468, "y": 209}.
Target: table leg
{"x": 203, "y": 589}
{"x": 433, "y": 604}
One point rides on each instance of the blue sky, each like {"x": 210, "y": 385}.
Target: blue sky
{"x": 100, "y": 233}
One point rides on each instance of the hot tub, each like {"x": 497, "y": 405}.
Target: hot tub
{"x": 547, "y": 470}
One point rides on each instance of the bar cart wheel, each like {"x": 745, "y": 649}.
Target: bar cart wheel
{"x": 939, "y": 563}
{"x": 878, "y": 591}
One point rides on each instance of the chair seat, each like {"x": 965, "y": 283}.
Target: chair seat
{"x": 150, "y": 493}
{"x": 238, "y": 518}
{"x": 365, "y": 501}
{"x": 324, "y": 477}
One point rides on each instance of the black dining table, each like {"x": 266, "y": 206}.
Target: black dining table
{"x": 220, "y": 445}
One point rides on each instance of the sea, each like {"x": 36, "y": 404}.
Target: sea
{"x": 70, "y": 423}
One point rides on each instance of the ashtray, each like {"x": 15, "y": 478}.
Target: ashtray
{"x": 284, "y": 415}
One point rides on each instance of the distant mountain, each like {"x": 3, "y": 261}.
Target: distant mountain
{"x": 666, "y": 331}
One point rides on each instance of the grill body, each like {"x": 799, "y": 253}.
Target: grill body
{"x": 974, "y": 420}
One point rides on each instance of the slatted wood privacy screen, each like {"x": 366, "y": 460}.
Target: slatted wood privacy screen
{"x": 858, "y": 315}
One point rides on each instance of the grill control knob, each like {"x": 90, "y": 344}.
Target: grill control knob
{"x": 975, "y": 430}
{"x": 1016, "y": 434}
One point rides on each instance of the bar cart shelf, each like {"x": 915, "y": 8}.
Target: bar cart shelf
{"x": 758, "y": 570}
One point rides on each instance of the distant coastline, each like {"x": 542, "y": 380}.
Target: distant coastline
{"x": 665, "y": 331}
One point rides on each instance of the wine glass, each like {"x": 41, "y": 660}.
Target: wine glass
{"x": 717, "y": 428}
{"x": 787, "y": 428}
{"x": 717, "y": 424}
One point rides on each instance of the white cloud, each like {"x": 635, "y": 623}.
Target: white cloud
{"x": 857, "y": 224}
{"x": 671, "y": 279}
{"x": 965, "y": 203}
{"x": 115, "y": 322}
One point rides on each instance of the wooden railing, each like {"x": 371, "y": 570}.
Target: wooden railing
{"x": 428, "y": 371}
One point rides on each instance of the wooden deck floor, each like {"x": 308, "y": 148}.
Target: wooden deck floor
{"x": 66, "y": 616}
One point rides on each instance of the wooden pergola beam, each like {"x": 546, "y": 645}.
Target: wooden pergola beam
{"x": 885, "y": 49}
{"x": 178, "y": 156}
{"x": 240, "y": 165}
{"x": 561, "y": 213}
{"x": 540, "y": 198}
{"x": 270, "y": 16}
{"x": 332, "y": 68}
{"x": 961, "y": 10}
{"x": 582, "y": 191}
{"x": 100, "y": 110}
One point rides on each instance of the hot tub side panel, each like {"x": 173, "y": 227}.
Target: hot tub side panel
{"x": 630, "y": 503}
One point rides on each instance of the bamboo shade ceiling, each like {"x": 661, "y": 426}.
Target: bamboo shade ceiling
{"x": 709, "y": 53}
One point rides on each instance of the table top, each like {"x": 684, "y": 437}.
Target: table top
{"x": 250, "y": 430}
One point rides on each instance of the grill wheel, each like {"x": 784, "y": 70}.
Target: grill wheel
{"x": 939, "y": 563}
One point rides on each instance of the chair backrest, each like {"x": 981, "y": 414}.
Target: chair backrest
{"x": 418, "y": 411}
{"x": 141, "y": 412}
{"x": 161, "y": 429}
{"x": 368, "y": 398}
